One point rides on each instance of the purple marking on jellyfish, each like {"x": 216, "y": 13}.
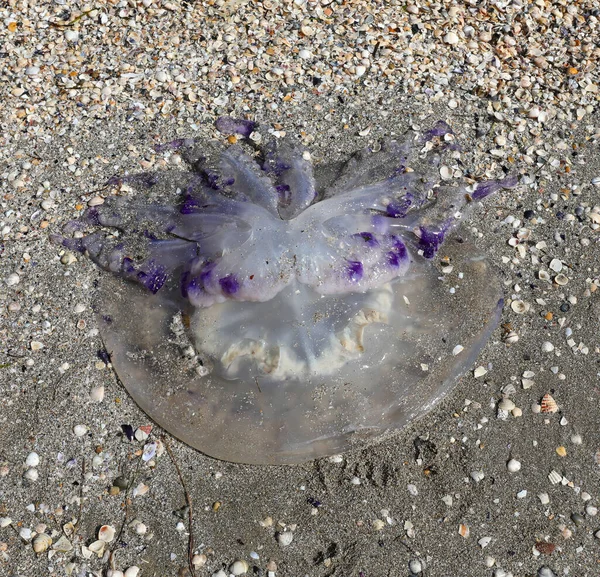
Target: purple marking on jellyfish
{"x": 189, "y": 284}
{"x": 393, "y": 258}
{"x": 368, "y": 237}
{"x": 400, "y": 209}
{"x": 284, "y": 192}
{"x": 92, "y": 216}
{"x": 154, "y": 277}
{"x": 73, "y": 226}
{"x": 206, "y": 272}
{"x": 174, "y": 144}
{"x": 189, "y": 205}
{"x": 230, "y": 125}
{"x": 354, "y": 270}
{"x": 440, "y": 129}
{"x": 399, "y": 248}
{"x": 430, "y": 241}
{"x": 74, "y": 244}
{"x": 229, "y": 284}
{"x": 489, "y": 186}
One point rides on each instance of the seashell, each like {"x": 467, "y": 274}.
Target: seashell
{"x": 519, "y": 306}
{"x": 63, "y": 545}
{"x": 597, "y": 457}
{"x": 463, "y": 530}
{"x": 509, "y": 390}
{"x": 548, "y": 404}
{"x": 561, "y": 279}
{"x": 524, "y": 234}
{"x": 41, "y": 542}
{"x": 556, "y": 265}
{"x": 238, "y": 567}
{"x": 106, "y": 533}
{"x": 97, "y": 547}
{"x": 445, "y": 173}
{"x": 506, "y": 404}
{"x": 511, "y": 338}
{"x": 554, "y": 477}
{"x": 544, "y": 275}
{"x": 545, "y": 548}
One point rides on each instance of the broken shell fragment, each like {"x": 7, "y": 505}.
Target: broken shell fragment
{"x": 548, "y": 404}
{"x": 511, "y": 338}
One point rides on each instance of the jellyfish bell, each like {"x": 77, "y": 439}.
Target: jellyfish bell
{"x": 272, "y": 314}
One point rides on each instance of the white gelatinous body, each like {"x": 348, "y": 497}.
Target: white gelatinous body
{"x": 273, "y": 316}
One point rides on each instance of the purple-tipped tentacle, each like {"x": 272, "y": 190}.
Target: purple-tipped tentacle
{"x": 488, "y": 187}
{"x": 230, "y": 125}
{"x": 244, "y": 176}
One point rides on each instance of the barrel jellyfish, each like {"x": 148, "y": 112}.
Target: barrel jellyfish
{"x": 267, "y": 311}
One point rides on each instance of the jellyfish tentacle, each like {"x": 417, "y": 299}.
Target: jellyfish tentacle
{"x": 291, "y": 168}
{"x": 242, "y": 174}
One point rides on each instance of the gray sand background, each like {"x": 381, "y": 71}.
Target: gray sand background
{"x": 68, "y": 101}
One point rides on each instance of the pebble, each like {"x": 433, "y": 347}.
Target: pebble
{"x": 513, "y": 466}
{"x": 415, "y": 566}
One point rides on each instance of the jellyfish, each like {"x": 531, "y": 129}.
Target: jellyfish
{"x": 265, "y": 310}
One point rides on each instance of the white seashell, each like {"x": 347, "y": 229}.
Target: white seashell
{"x": 445, "y": 173}
{"x": 544, "y": 275}
{"x": 509, "y": 390}
{"x": 561, "y": 279}
{"x": 479, "y": 372}
{"x": 238, "y": 567}
{"x": 556, "y": 265}
{"x": 97, "y": 547}
{"x": 33, "y": 460}
{"x": 506, "y": 404}
{"x": 513, "y": 466}
{"x": 511, "y": 338}
{"x": 547, "y": 347}
{"x": 41, "y": 542}
{"x": 132, "y": 571}
{"x": 95, "y": 201}
{"x": 519, "y": 306}
{"x": 285, "y": 538}
{"x": 457, "y": 350}
{"x": 554, "y": 477}
{"x": 106, "y": 533}
{"x": 63, "y": 545}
